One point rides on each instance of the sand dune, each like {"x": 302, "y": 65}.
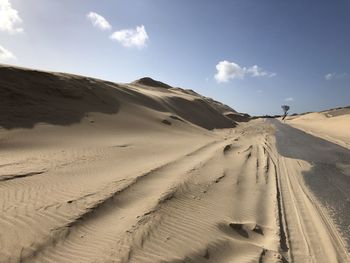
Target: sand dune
{"x": 64, "y": 99}
{"x": 94, "y": 171}
{"x": 333, "y": 125}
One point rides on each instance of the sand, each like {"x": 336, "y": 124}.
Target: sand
{"x": 94, "y": 171}
{"x": 332, "y": 125}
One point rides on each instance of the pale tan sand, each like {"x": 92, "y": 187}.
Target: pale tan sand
{"x": 93, "y": 171}
{"x": 330, "y": 125}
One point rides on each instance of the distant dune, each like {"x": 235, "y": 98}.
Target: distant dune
{"x": 333, "y": 125}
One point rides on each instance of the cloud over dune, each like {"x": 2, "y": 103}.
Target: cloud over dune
{"x": 9, "y": 18}
{"x": 331, "y": 76}
{"x": 230, "y": 70}
{"x": 98, "y": 21}
{"x": 256, "y": 71}
{"x": 6, "y": 54}
{"x": 131, "y": 37}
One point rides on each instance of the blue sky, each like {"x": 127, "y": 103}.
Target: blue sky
{"x": 253, "y": 55}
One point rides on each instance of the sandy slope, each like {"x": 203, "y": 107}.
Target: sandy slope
{"x": 333, "y": 125}
{"x": 93, "y": 171}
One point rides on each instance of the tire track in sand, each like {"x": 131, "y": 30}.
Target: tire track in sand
{"x": 96, "y": 228}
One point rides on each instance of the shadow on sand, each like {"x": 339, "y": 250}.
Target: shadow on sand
{"x": 29, "y": 97}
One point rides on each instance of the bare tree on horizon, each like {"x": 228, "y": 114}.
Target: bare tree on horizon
{"x": 285, "y": 109}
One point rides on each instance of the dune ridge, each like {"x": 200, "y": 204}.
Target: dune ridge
{"x": 64, "y": 99}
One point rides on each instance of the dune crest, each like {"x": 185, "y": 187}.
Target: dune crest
{"x": 65, "y": 99}
{"x": 147, "y": 81}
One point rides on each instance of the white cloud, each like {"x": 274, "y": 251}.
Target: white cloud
{"x": 331, "y": 76}
{"x": 229, "y": 70}
{"x": 256, "y": 71}
{"x": 9, "y": 18}
{"x": 6, "y": 54}
{"x": 289, "y": 99}
{"x": 98, "y": 21}
{"x": 131, "y": 37}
